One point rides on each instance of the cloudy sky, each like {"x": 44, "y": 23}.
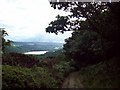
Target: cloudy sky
{"x": 26, "y": 20}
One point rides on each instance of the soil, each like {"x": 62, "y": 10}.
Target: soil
{"x": 72, "y": 81}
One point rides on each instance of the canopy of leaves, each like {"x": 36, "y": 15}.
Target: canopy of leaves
{"x": 84, "y": 47}
{"x": 95, "y": 26}
{"x": 98, "y": 18}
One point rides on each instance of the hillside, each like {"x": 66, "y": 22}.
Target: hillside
{"x": 22, "y": 47}
{"x": 102, "y": 75}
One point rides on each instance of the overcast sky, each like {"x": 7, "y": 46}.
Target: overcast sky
{"x": 26, "y": 20}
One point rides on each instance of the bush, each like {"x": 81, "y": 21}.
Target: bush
{"x": 103, "y": 75}
{"x": 16, "y": 59}
{"x": 62, "y": 69}
{"x": 17, "y": 77}
{"x": 64, "y": 63}
{"x": 84, "y": 47}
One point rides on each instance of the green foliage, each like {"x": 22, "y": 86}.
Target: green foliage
{"x": 57, "y": 25}
{"x": 53, "y": 54}
{"x": 59, "y": 66}
{"x": 90, "y": 11}
{"x": 63, "y": 67}
{"x": 47, "y": 72}
{"x": 84, "y": 47}
{"x": 4, "y": 41}
{"x": 43, "y": 78}
{"x": 16, "y": 59}
{"x": 17, "y": 77}
{"x": 94, "y": 38}
{"x": 102, "y": 75}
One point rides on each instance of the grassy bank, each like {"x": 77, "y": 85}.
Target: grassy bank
{"x": 102, "y": 75}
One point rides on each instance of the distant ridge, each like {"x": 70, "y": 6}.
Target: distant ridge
{"x": 22, "y": 47}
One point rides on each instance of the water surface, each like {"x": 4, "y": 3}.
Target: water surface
{"x": 36, "y": 52}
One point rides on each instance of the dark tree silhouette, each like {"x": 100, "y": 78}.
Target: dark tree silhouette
{"x": 95, "y": 26}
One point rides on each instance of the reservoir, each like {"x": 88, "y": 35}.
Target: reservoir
{"x": 36, "y": 52}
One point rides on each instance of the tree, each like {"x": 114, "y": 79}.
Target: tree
{"x": 84, "y": 47}
{"x": 78, "y": 9}
{"x": 98, "y": 18}
{"x": 4, "y": 41}
{"x": 99, "y": 22}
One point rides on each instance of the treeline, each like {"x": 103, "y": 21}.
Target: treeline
{"x": 96, "y": 30}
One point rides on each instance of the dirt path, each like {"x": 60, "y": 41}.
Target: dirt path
{"x": 72, "y": 81}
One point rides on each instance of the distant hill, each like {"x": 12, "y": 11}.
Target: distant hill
{"x": 22, "y": 47}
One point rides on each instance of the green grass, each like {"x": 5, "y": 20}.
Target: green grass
{"x": 102, "y": 75}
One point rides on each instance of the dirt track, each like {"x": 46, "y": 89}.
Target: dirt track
{"x": 72, "y": 81}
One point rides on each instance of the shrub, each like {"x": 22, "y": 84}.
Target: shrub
{"x": 103, "y": 75}
{"x": 16, "y": 59}
{"x": 17, "y": 77}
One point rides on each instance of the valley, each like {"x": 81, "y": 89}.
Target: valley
{"x": 24, "y": 47}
